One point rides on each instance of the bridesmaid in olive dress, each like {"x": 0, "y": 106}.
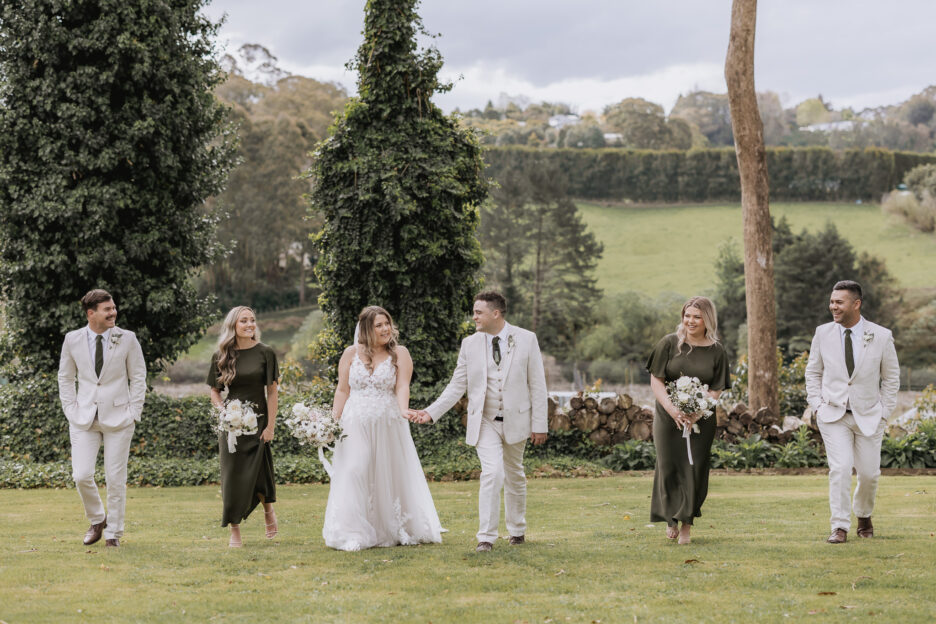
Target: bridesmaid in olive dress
{"x": 679, "y": 488}
{"x": 248, "y": 369}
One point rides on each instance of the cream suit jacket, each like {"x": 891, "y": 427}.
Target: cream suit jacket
{"x": 870, "y": 391}
{"x": 117, "y": 396}
{"x": 524, "y": 386}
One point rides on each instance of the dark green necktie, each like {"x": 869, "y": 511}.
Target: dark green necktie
{"x": 497, "y": 356}
{"x": 98, "y": 354}
{"x": 849, "y": 353}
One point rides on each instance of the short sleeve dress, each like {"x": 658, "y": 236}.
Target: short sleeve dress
{"x": 247, "y": 474}
{"x": 680, "y": 488}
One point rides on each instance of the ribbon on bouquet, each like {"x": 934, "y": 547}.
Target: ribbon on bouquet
{"x": 232, "y": 441}
{"x": 325, "y": 463}
{"x": 686, "y": 432}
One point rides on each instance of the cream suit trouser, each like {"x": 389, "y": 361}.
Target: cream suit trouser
{"x": 847, "y": 446}
{"x": 501, "y": 468}
{"x": 85, "y": 446}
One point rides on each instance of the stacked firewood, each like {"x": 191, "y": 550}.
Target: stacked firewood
{"x": 613, "y": 420}
{"x": 608, "y": 421}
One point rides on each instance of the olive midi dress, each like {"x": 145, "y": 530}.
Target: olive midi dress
{"x": 680, "y": 488}
{"x": 247, "y": 473}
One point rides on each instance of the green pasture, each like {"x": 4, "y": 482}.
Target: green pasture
{"x": 757, "y": 555}
{"x": 660, "y": 248}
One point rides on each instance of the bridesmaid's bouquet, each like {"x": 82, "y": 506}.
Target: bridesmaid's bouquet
{"x": 690, "y": 396}
{"x": 316, "y": 427}
{"x": 236, "y": 418}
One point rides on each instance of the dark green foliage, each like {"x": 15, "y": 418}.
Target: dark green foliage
{"x": 398, "y": 184}
{"x": 752, "y": 452}
{"x": 806, "y": 267}
{"x": 796, "y": 174}
{"x": 110, "y": 142}
{"x": 800, "y": 452}
{"x": 538, "y": 247}
{"x": 914, "y": 450}
{"x": 632, "y": 455}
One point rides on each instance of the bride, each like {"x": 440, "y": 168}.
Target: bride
{"x": 378, "y": 494}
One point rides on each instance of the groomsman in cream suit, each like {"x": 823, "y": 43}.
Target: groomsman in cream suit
{"x": 501, "y": 368}
{"x": 852, "y": 379}
{"x": 107, "y": 363}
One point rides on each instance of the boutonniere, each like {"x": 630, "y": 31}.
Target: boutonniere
{"x": 114, "y": 341}
{"x": 510, "y": 343}
{"x": 867, "y": 337}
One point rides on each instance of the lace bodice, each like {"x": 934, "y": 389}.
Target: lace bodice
{"x": 379, "y": 384}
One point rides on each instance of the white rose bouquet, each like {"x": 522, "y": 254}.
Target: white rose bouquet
{"x": 315, "y": 426}
{"x": 236, "y": 418}
{"x": 690, "y": 396}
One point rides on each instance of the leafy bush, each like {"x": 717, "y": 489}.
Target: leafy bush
{"x": 914, "y": 450}
{"x": 632, "y": 455}
{"x": 800, "y": 452}
{"x": 752, "y": 452}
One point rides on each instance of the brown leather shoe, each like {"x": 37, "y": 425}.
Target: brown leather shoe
{"x": 484, "y": 547}
{"x": 838, "y": 536}
{"x": 516, "y": 540}
{"x": 112, "y": 543}
{"x": 865, "y": 528}
{"x": 94, "y": 532}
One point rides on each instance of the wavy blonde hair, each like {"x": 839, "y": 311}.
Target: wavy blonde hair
{"x": 227, "y": 340}
{"x": 709, "y": 317}
{"x": 367, "y": 336}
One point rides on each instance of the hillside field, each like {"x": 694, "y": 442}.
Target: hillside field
{"x": 660, "y": 248}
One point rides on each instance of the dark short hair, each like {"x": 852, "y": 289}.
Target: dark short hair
{"x": 94, "y": 297}
{"x": 494, "y": 299}
{"x": 853, "y": 287}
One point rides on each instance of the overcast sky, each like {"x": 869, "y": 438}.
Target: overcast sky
{"x": 590, "y": 53}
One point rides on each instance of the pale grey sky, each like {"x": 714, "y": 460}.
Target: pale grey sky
{"x": 591, "y": 53}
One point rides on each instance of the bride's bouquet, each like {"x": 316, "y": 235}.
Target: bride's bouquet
{"x": 690, "y": 396}
{"x": 236, "y": 418}
{"x": 316, "y": 427}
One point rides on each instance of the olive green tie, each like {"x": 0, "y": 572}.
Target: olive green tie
{"x": 849, "y": 353}
{"x": 98, "y": 355}
{"x": 497, "y": 354}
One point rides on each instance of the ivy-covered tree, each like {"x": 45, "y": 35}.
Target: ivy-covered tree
{"x": 398, "y": 185}
{"x": 110, "y": 141}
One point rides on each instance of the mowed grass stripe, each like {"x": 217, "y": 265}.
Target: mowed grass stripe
{"x": 656, "y": 249}
{"x": 757, "y": 555}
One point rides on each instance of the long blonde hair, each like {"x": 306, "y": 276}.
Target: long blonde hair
{"x": 367, "y": 336}
{"x": 709, "y": 317}
{"x": 227, "y": 340}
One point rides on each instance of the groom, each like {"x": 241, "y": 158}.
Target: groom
{"x": 852, "y": 379}
{"x": 501, "y": 368}
{"x": 108, "y": 364}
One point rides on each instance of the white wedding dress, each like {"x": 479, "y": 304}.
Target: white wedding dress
{"x": 378, "y": 494}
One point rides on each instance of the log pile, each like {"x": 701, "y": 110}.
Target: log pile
{"x": 608, "y": 421}
{"x": 613, "y": 420}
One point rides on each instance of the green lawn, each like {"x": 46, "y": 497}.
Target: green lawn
{"x": 757, "y": 555}
{"x": 654, "y": 249}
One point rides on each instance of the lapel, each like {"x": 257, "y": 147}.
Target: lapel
{"x": 866, "y": 346}
{"x": 111, "y": 349}
{"x": 80, "y": 350}
{"x": 511, "y": 349}
{"x": 835, "y": 346}
{"x": 481, "y": 354}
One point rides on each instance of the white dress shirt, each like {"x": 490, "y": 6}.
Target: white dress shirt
{"x": 92, "y": 338}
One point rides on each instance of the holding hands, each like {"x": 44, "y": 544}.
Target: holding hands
{"x": 420, "y": 417}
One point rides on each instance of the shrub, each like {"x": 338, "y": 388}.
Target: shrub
{"x": 752, "y": 452}
{"x": 915, "y": 450}
{"x": 800, "y": 452}
{"x": 632, "y": 455}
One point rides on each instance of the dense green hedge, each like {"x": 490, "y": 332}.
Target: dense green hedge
{"x": 33, "y": 427}
{"x": 796, "y": 174}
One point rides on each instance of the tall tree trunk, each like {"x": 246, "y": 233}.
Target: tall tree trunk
{"x": 763, "y": 384}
